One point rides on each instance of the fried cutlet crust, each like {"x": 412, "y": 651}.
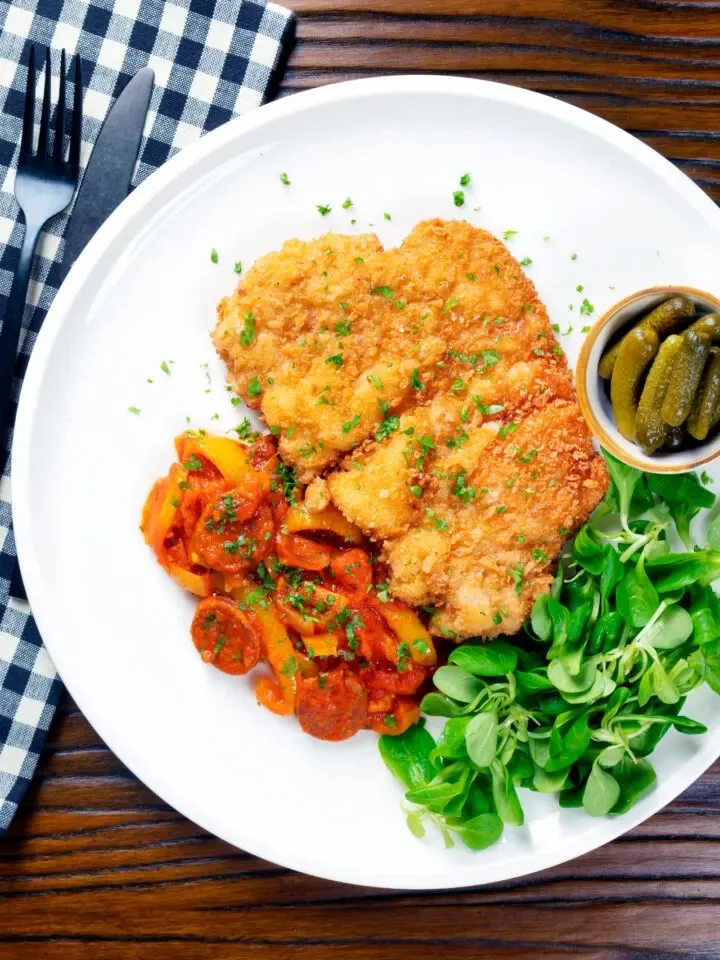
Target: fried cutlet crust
{"x": 483, "y": 463}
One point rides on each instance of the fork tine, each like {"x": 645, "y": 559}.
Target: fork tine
{"x": 76, "y": 123}
{"x": 45, "y": 112}
{"x": 26, "y": 144}
{"x": 59, "y": 146}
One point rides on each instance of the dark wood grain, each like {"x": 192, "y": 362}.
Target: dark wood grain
{"x": 96, "y": 866}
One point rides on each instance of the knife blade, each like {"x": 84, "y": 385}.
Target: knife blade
{"x": 110, "y": 168}
{"x": 104, "y": 186}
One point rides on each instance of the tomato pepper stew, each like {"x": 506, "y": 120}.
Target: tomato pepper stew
{"x": 280, "y": 585}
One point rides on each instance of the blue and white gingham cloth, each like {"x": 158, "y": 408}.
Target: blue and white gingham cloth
{"x": 213, "y": 59}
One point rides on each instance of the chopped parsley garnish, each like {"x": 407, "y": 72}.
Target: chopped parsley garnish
{"x": 245, "y": 430}
{"x": 586, "y": 308}
{"x": 539, "y": 555}
{"x": 574, "y": 257}
{"x": 193, "y": 464}
{"x": 323, "y": 209}
{"x": 359, "y": 260}
{"x": 459, "y": 198}
{"x": 464, "y": 415}
{"x": 351, "y": 424}
{"x": 336, "y": 360}
{"x": 452, "y": 302}
{"x": 248, "y": 331}
{"x": 289, "y": 668}
{"x": 253, "y": 388}
{"x": 458, "y": 385}
{"x": 376, "y": 381}
{"x": 489, "y": 358}
{"x": 284, "y": 178}
{"x": 416, "y": 490}
{"x": 465, "y": 180}
{"x": 165, "y": 368}
{"x": 387, "y": 427}
{"x": 347, "y": 203}
{"x": 507, "y": 430}
{"x": 234, "y": 546}
{"x": 415, "y": 381}
{"x": 440, "y": 523}
{"x": 517, "y": 574}
{"x": 471, "y": 276}
{"x": 500, "y": 508}
{"x": 387, "y": 216}
{"x": 382, "y": 292}
{"x": 525, "y": 262}
{"x": 342, "y": 328}
{"x": 527, "y": 457}
{"x": 214, "y": 256}
{"x": 459, "y": 440}
{"x": 287, "y": 476}
{"x": 487, "y": 410}
{"x": 238, "y": 267}
{"x": 471, "y": 358}
{"x": 135, "y": 410}
{"x": 460, "y": 489}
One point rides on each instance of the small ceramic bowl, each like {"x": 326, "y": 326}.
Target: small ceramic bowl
{"x": 595, "y": 402}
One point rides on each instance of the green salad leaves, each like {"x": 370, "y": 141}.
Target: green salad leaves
{"x": 577, "y": 703}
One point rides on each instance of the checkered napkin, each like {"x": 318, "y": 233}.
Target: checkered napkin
{"x": 213, "y": 59}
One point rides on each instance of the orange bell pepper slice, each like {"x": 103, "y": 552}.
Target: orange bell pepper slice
{"x": 277, "y": 693}
{"x": 228, "y": 456}
{"x": 160, "y": 511}
{"x": 329, "y": 520}
{"x": 408, "y": 628}
{"x": 323, "y": 645}
{"x": 404, "y": 714}
{"x": 198, "y": 583}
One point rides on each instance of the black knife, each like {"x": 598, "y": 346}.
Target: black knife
{"x": 104, "y": 186}
{"x": 110, "y": 168}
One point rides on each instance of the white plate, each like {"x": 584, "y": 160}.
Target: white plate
{"x": 145, "y": 292}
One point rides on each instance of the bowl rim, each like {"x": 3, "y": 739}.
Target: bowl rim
{"x": 583, "y": 372}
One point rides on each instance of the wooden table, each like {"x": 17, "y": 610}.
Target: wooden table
{"x": 96, "y": 866}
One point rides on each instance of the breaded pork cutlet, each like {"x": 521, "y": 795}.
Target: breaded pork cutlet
{"x": 427, "y": 386}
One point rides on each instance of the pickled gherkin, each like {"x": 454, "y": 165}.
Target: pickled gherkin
{"x": 707, "y": 400}
{"x": 687, "y": 373}
{"x": 637, "y": 351}
{"x": 651, "y": 431}
{"x": 708, "y": 326}
{"x": 667, "y": 316}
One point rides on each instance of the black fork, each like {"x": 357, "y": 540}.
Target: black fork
{"x": 44, "y": 185}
